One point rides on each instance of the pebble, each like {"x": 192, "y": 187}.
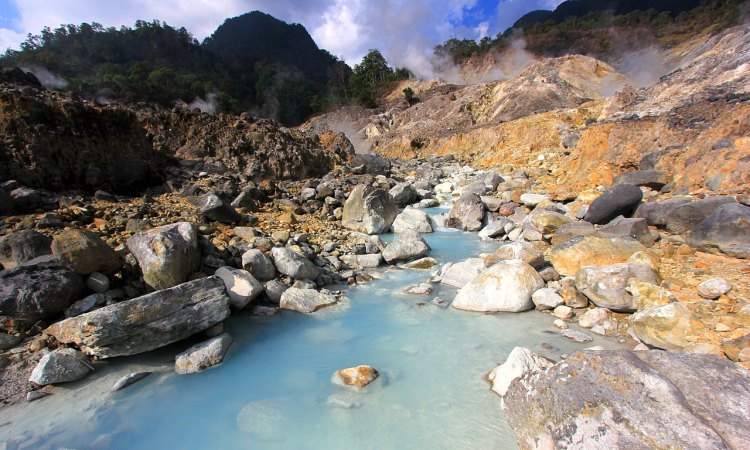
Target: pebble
{"x": 714, "y": 288}
{"x": 561, "y": 324}
{"x": 98, "y": 282}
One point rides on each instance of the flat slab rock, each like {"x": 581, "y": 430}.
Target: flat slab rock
{"x": 148, "y": 322}
{"x": 633, "y": 400}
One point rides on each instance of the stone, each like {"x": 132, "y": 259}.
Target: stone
{"x": 293, "y": 264}
{"x": 8, "y": 341}
{"x": 421, "y": 263}
{"x": 531, "y": 200}
{"x": 491, "y": 203}
{"x": 98, "y": 282}
{"x": 495, "y": 229}
{"x": 568, "y": 231}
{"x": 369, "y": 261}
{"x": 734, "y": 347}
{"x": 274, "y": 290}
{"x": 714, "y": 288}
{"x": 647, "y": 295}
{"x": 215, "y": 208}
{"x": 546, "y": 298}
{"x": 60, "y": 366}
{"x": 36, "y": 395}
{"x": 727, "y": 229}
{"x": 547, "y": 222}
{"x": 606, "y": 286}
{"x": 654, "y": 179}
{"x": 87, "y": 304}
{"x": 372, "y": 164}
{"x": 620, "y": 200}
{"x": 23, "y": 246}
{"x": 166, "y": 254}
{"x": 369, "y": 210}
{"x": 409, "y": 245}
{"x": 629, "y": 227}
{"x": 358, "y": 377}
{"x": 525, "y": 251}
{"x": 38, "y": 289}
{"x": 460, "y": 273}
{"x": 241, "y": 286}
{"x": 684, "y": 218}
{"x": 563, "y": 312}
{"x": 665, "y": 327}
{"x": 305, "y": 300}
{"x": 505, "y": 287}
{"x": 258, "y": 264}
{"x": 403, "y": 194}
{"x": 204, "y": 355}
{"x": 580, "y": 251}
{"x": 419, "y": 289}
{"x": 561, "y": 324}
{"x": 412, "y": 219}
{"x": 148, "y": 322}
{"x": 26, "y": 200}
{"x": 128, "y": 380}
{"x": 623, "y": 399}
{"x": 247, "y": 234}
{"x": 467, "y": 213}
{"x": 593, "y": 317}
{"x": 656, "y": 213}
{"x": 520, "y": 361}
{"x": 576, "y": 336}
{"x": 85, "y": 252}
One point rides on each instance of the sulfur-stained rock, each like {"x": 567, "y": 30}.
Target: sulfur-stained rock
{"x": 506, "y": 286}
{"x": 85, "y": 252}
{"x": 166, "y": 254}
{"x": 358, "y": 377}
{"x": 648, "y": 295}
{"x": 525, "y": 251}
{"x": 547, "y": 222}
{"x": 606, "y": 286}
{"x": 580, "y": 251}
{"x": 148, "y": 322}
{"x": 369, "y": 210}
{"x": 664, "y": 327}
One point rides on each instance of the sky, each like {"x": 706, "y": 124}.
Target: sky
{"x": 401, "y": 29}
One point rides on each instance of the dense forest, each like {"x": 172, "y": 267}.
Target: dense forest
{"x": 253, "y": 62}
{"x": 573, "y": 22}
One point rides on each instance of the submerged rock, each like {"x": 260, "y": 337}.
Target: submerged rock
{"x": 369, "y": 210}
{"x": 204, "y": 355}
{"x": 506, "y": 286}
{"x": 146, "y": 323}
{"x": 128, "y": 380}
{"x": 358, "y": 377}
{"x": 305, "y": 300}
{"x": 622, "y": 399}
{"x": 166, "y": 254}
{"x": 60, "y": 366}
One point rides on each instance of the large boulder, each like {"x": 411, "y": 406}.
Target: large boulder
{"x": 305, "y": 300}
{"x": 620, "y": 200}
{"x": 654, "y": 179}
{"x": 166, "y": 254}
{"x": 623, "y": 399}
{"x": 85, "y": 252}
{"x": 403, "y": 194}
{"x": 412, "y": 219}
{"x": 39, "y": 289}
{"x": 460, "y": 273}
{"x": 409, "y": 245}
{"x": 525, "y": 251}
{"x": 258, "y": 264}
{"x": 606, "y": 286}
{"x": 726, "y": 229}
{"x": 683, "y": 218}
{"x": 369, "y": 210}
{"x": 23, "y": 246}
{"x": 505, "y": 287}
{"x": 204, "y": 355}
{"x": 656, "y": 213}
{"x": 60, "y": 366}
{"x": 467, "y": 213}
{"x": 520, "y": 361}
{"x": 665, "y": 326}
{"x": 241, "y": 286}
{"x": 293, "y": 264}
{"x": 148, "y": 322}
{"x": 637, "y": 228}
{"x": 581, "y": 251}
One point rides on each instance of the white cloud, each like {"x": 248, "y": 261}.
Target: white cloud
{"x": 10, "y": 39}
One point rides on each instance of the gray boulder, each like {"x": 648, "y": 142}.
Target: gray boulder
{"x": 166, "y": 254}
{"x": 656, "y": 213}
{"x": 293, "y": 264}
{"x": 412, "y": 219}
{"x": 409, "y": 245}
{"x": 467, "y": 213}
{"x": 683, "y": 218}
{"x": 148, "y": 322}
{"x": 217, "y": 209}
{"x": 258, "y": 264}
{"x": 623, "y": 399}
{"x": 372, "y": 164}
{"x": 23, "y": 246}
{"x": 505, "y": 287}
{"x": 305, "y": 300}
{"x": 274, "y": 290}
{"x": 26, "y": 200}
{"x": 620, "y": 200}
{"x": 654, "y": 179}
{"x": 60, "y": 366}
{"x": 727, "y": 229}
{"x": 637, "y": 228}
{"x": 403, "y": 194}
{"x": 369, "y": 210}
{"x": 204, "y": 355}
{"x": 38, "y": 290}
{"x": 85, "y": 252}
{"x": 368, "y": 261}
{"x": 605, "y": 285}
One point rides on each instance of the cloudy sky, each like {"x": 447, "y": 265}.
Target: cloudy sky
{"x": 346, "y": 28}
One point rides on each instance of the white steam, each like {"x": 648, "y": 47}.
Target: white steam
{"x": 644, "y": 67}
{"x": 47, "y": 78}
{"x": 208, "y": 105}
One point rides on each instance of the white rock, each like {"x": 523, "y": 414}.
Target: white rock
{"x": 241, "y": 286}
{"x": 563, "y": 312}
{"x": 532, "y": 200}
{"x": 412, "y": 219}
{"x": 60, "y": 366}
{"x": 546, "y": 298}
{"x": 520, "y": 361}
{"x": 714, "y": 288}
{"x": 594, "y": 317}
{"x": 506, "y": 286}
{"x": 459, "y": 274}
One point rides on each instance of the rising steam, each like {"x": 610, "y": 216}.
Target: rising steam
{"x": 47, "y": 78}
{"x": 208, "y": 105}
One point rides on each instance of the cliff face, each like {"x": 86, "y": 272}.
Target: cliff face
{"x": 581, "y": 124}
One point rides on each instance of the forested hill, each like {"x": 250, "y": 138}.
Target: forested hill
{"x": 251, "y": 63}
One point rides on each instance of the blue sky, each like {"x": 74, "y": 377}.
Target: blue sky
{"x": 402, "y": 29}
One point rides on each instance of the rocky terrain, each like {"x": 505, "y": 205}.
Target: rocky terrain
{"x": 125, "y": 229}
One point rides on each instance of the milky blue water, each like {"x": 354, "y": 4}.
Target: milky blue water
{"x": 273, "y": 390}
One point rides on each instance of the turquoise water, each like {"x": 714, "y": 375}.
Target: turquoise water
{"x": 274, "y": 389}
